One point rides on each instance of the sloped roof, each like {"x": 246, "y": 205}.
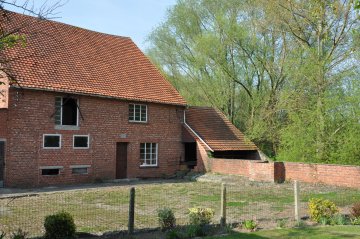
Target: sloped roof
{"x": 60, "y": 57}
{"x": 216, "y": 130}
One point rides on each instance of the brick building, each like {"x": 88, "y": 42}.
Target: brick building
{"x": 88, "y": 106}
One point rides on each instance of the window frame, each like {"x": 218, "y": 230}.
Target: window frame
{"x": 81, "y": 135}
{"x": 134, "y": 118}
{"x": 61, "y": 111}
{"x": 60, "y": 139}
{"x": 72, "y": 167}
{"x": 142, "y": 165}
{"x": 59, "y": 168}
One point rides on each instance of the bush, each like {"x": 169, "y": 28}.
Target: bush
{"x": 195, "y": 230}
{"x": 19, "y": 234}
{"x": 200, "y": 216}
{"x": 355, "y": 221}
{"x": 166, "y": 218}
{"x": 338, "y": 219}
{"x": 321, "y": 209}
{"x": 59, "y": 226}
{"x": 250, "y": 225}
{"x": 175, "y": 234}
{"x": 2, "y": 235}
{"x": 355, "y": 210}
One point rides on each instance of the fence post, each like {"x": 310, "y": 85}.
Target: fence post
{"x": 223, "y": 205}
{"x": 297, "y": 200}
{"x": 131, "y": 211}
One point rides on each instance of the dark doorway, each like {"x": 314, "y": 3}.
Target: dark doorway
{"x": 121, "y": 160}
{"x": 190, "y": 154}
{"x": 2, "y": 161}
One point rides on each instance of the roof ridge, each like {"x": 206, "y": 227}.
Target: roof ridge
{"x": 62, "y": 23}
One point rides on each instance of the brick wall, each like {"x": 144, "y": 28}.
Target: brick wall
{"x": 104, "y": 120}
{"x": 337, "y": 175}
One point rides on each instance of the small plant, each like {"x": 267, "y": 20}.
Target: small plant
{"x": 166, "y": 218}
{"x": 338, "y": 219}
{"x": 195, "y": 230}
{"x": 59, "y": 226}
{"x": 300, "y": 224}
{"x": 324, "y": 221}
{"x": 355, "y": 210}
{"x": 200, "y": 216}
{"x": 354, "y": 221}
{"x": 2, "y": 235}
{"x": 281, "y": 223}
{"x": 19, "y": 234}
{"x": 321, "y": 209}
{"x": 175, "y": 233}
{"x": 250, "y": 225}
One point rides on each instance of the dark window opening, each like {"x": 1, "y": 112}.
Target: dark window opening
{"x": 81, "y": 141}
{"x": 51, "y": 141}
{"x": 190, "y": 155}
{"x": 80, "y": 170}
{"x": 53, "y": 171}
{"x": 237, "y": 154}
{"x": 69, "y": 111}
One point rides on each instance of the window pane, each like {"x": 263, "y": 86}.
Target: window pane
{"x": 52, "y": 141}
{"x": 81, "y": 141}
{"x": 50, "y": 171}
{"x": 131, "y": 111}
{"x": 148, "y": 154}
{"x": 79, "y": 171}
{"x": 69, "y": 111}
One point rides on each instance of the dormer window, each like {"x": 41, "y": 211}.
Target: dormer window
{"x": 67, "y": 111}
{"x": 137, "y": 113}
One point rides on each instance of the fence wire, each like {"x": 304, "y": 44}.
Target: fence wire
{"x": 106, "y": 209}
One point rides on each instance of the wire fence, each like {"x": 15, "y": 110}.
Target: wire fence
{"x": 106, "y": 209}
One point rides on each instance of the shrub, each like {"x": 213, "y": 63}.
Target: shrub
{"x": 2, "y": 235}
{"x": 200, "y": 216}
{"x": 355, "y": 210}
{"x": 321, "y": 209}
{"x": 166, "y": 218}
{"x": 195, "y": 230}
{"x": 281, "y": 223}
{"x": 250, "y": 225}
{"x": 175, "y": 234}
{"x": 19, "y": 234}
{"x": 338, "y": 219}
{"x": 59, "y": 226}
{"x": 354, "y": 221}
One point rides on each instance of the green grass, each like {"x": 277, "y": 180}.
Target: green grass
{"x": 329, "y": 232}
{"x": 106, "y": 208}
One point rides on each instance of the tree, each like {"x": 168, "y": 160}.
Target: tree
{"x": 282, "y": 71}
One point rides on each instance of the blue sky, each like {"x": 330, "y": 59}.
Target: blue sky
{"x": 132, "y": 18}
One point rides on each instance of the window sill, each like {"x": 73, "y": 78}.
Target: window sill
{"x": 67, "y": 127}
{"x": 138, "y": 122}
{"x": 148, "y": 166}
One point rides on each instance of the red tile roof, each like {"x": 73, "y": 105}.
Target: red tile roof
{"x": 216, "y": 130}
{"x": 64, "y": 58}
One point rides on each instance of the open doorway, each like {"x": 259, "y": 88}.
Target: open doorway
{"x": 190, "y": 154}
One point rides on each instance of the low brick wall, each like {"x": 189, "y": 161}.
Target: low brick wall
{"x": 337, "y": 175}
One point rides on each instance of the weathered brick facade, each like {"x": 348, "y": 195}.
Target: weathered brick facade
{"x": 105, "y": 120}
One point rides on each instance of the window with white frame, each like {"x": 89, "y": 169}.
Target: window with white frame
{"x": 81, "y": 141}
{"x": 148, "y": 154}
{"x": 52, "y": 141}
{"x": 137, "y": 113}
{"x": 66, "y": 111}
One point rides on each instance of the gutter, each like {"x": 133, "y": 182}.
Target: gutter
{"x": 193, "y": 131}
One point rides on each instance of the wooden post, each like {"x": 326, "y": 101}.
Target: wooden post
{"x": 297, "y": 200}
{"x": 131, "y": 211}
{"x": 223, "y": 205}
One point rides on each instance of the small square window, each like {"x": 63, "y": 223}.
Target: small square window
{"x": 52, "y": 141}
{"x": 137, "y": 113}
{"x": 50, "y": 172}
{"x": 81, "y": 141}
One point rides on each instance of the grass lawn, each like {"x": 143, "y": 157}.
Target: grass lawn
{"x": 101, "y": 209}
{"x": 329, "y": 232}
